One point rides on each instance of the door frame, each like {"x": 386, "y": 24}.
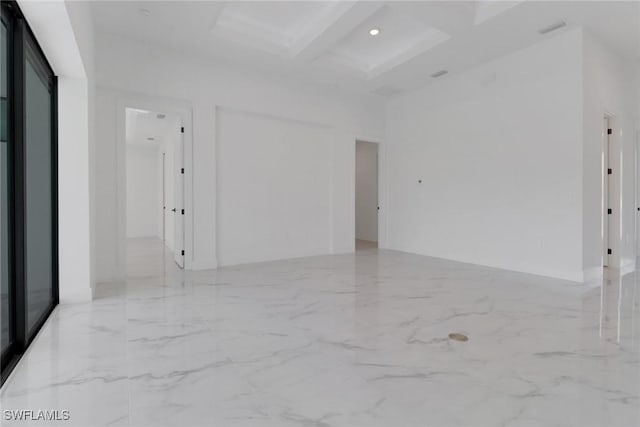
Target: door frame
{"x": 378, "y": 145}
{"x": 606, "y": 192}
{"x": 180, "y": 108}
{"x": 614, "y": 221}
{"x": 383, "y": 211}
{"x": 178, "y": 200}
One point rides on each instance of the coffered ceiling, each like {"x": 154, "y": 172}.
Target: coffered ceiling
{"x": 329, "y": 42}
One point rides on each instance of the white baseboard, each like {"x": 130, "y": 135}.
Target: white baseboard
{"x": 627, "y": 265}
{"x": 199, "y": 266}
{"x": 76, "y": 296}
{"x": 593, "y": 276}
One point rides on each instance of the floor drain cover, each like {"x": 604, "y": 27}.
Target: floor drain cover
{"x": 458, "y": 337}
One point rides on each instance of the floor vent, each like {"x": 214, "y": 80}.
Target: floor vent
{"x": 458, "y": 337}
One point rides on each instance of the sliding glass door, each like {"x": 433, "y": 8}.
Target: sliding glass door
{"x": 38, "y": 190}
{"x": 6, "y": 338}
{"x": 28, "y": 181}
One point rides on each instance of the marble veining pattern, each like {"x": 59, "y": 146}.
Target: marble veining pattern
{"x": 347, "y": 340}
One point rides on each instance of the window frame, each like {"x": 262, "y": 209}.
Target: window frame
{"x": 22, "y": 45}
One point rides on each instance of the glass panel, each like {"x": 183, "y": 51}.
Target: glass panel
{"x": 5, "y": 338}
{"x": 37, "y": 195}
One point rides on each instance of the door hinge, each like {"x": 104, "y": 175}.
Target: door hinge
{"x": 183, "y": 252}
{"x": 183, "y": 211}
{"x": 182, "y": 171}
{"x": 609, "y": 131}
{"x": 608, "y": 251}
{"x": 609, "y": 171}
{"x": 608, "y": 211}
{"x": 182, "y": 129}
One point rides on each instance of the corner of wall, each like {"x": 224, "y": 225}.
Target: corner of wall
{"x": 75, "y": 296}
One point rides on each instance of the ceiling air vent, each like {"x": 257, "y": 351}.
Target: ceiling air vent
{"x": 439, "y": 74}
{"x": 552, "y": 27}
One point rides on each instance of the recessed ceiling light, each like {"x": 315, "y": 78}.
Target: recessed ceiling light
{"x": 374, "y": 31}
{"x": 552, "y": 27}
{"x": 145, "y": 12}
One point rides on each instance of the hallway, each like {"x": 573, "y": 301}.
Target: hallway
{"x": 344, "y": 340}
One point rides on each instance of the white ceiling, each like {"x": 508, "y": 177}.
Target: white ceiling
{"x": 328, "y": 42}
{"x": 149, "y": 128}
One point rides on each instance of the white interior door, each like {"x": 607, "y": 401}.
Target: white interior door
{"x": 164, "y": 200}
{"x": 637, "y": 193}
{"x": 605, "y": 195}
{"x": 178, "y": 197}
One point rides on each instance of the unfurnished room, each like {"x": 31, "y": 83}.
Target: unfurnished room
{"x": 329, "y": 213}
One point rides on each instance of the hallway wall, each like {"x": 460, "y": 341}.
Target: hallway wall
{"x": 144, "y": 215}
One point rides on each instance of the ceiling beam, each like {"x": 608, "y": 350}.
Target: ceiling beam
{"x": 450, "y": 17}
{"x": 339, "y": 21}
{"x": 436, "y": 37}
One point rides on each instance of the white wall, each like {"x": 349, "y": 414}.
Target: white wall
{"x": 610, "y": 87}
{"x": 107, "y": 228}
{"x": 342, "y": 192}
{"x": 130, "y": 70}
{"x": 83, "y": 209}
{"x": 498, "y": 150}
{"x": 143, "y": 192}
{"x": 367, "y": 191}
{"x": 273, "y": 188}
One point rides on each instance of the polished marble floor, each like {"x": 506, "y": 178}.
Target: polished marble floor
{"x": 346, "y": 340}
